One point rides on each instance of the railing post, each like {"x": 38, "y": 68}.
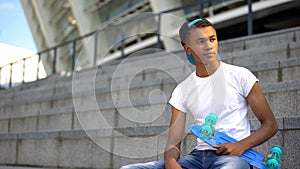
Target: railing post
{"x": 250, "y": 18}
{"x": 200, "y": 8}
{"x": 38, "y": 66}
{"x": 10, "y": 76}
{"x": 23, "y": 76}
{"x": 54, "y": 60}
{"x": 73, "y": 55}
{"x": 95, "y": 47}
{"x": 158, "y": 45}
{"x": 122, "y": 45}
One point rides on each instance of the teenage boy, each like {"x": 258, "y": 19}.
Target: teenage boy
{"x": 213, "y": 86}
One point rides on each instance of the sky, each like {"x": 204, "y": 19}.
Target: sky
{"x": 16, "y": 42}
{"x": 14, "y": 29}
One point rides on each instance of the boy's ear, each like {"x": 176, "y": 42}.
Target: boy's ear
{"x": 187, "y": 49}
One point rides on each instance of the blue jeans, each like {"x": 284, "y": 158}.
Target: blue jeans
{"x": 198, "y": 159}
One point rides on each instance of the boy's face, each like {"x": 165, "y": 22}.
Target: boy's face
{"x": 202, "y": 43}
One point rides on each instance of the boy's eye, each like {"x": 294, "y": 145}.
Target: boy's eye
{"x": 201, "y": 41}
{"x": 212, "y": 39}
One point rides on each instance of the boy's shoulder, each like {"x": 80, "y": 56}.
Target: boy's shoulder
{"x": 234, "y": 69}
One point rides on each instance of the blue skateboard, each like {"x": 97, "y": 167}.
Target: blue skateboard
{"x": 209, "y": 135}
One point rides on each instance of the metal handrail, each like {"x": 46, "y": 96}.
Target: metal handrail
{"x": 75, "y": 41}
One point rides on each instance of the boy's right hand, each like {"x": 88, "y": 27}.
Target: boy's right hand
{"x": 172, "y": 164}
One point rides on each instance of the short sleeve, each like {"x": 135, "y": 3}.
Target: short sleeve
{"x": 176, "y": 100}
{"x": 248, "y": 81}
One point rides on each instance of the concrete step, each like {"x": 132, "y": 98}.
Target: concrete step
{"x": 257, "y": 41}
{"x": 263, "y": 54}
{"x": 114, "y": 147}
{"x": 41, "y": 84}
{"x": 174, "y": 70}
{"x": 275, "y": 71}
{"x": 20, "y": 167}
{"x": 267, "y": 72}
{"x": 285, "y": 41}
{"x": 139, "y": 89}
{"x": 106, "y": 79}
{"x": 64, "y": 84}
{"x": 261, "y": 48}
{"x": 92, "y": 112}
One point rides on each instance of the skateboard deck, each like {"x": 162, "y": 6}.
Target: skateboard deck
{"x": 213, "y": 137}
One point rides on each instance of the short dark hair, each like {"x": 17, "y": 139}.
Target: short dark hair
{"x": 192, "y": 23}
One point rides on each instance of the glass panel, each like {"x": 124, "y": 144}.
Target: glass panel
{"x": 31, "y": 68}
{"x": 5, "y": 76}
{"x": 64, "y": 59}
{"x": 17, "y": 73}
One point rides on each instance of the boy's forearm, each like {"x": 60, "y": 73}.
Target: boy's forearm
{"x": 176, "y": 131}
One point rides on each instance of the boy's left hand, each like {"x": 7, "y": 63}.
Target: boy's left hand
{"x": 234, "y": 149}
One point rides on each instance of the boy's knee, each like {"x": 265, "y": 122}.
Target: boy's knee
{"x": 236, "y": 163}
{"x": 125, "y": 167}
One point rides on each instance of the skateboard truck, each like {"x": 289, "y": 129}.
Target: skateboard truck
{"x": 209, "y": 135}
{"x": 208, "y": 126}
{"x": 274, "y": 157}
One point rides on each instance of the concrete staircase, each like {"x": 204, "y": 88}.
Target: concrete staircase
{"x": 117, "y": 114}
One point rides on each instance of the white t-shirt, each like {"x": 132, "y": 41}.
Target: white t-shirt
{"x": 224, "y": 93}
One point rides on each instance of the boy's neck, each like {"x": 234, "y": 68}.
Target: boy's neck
{"x": 207, "y": 70}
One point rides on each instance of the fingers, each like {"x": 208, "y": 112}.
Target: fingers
{"x": 218, "y": 146}
{"x": 229, "y": 149}
{"x": 221, "y": 149}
